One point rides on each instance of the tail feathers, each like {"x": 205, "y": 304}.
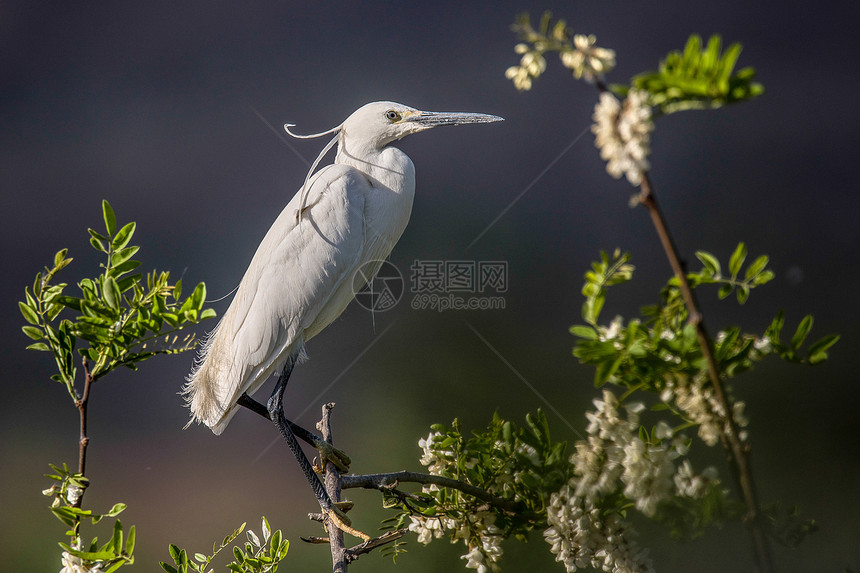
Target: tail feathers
{"x": 200, "y": 392}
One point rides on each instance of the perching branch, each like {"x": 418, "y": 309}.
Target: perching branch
{"x": 341, "y": 557}
{"x": 736, "y": 451}
{"x": 332, "y": 486}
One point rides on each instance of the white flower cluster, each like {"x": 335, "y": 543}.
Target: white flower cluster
{"x": 73, "y": 564}
{"x": 701, "y": 406}
{"x": 623, "y": 134}
{"x": 614, "y": 451}
{"x": 476, "y": 530}
{"x": 483, "y": 555}
{"x": 532, "y": 65}
{"x": 614, "y": 457}
{"x": 587, "y": 60}
{"x": 688, "y": 484}
{"x": 436, "y": 460}
{"x": 580, "y": 535}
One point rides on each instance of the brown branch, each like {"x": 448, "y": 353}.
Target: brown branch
{"x": 387, "y": 481}
{"x": 737, "y": 452}
{"x": 84, "y": 440}
{"x": 332, "y": 485}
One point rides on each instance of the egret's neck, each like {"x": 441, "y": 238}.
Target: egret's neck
{"x": 387, "y": 165}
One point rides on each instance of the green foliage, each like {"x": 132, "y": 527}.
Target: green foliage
{"x": 604, "y": 273}
{"x": 120, "y": 321}
{"x": 662, "y": 344}
{"x": 259, "y": 554}
{"x": 121, "y": 318}
{"x": 522, "y": 466}
{"x": 698, "y": 78}
{"x": 67, "y": 493}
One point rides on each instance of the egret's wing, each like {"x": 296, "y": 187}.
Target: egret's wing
{"x": 297, "y": 270}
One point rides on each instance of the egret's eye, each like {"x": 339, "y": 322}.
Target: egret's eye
{"x": 392, "y": 115}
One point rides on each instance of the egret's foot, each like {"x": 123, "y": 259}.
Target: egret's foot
{"x": 329, "y": 453}
{"x": 342, "y": 522}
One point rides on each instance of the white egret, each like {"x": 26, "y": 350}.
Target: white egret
{"x": 301, "y": 278}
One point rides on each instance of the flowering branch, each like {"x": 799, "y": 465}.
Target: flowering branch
{"x": 659, "y": 354}
{"x": 736, "y": 450}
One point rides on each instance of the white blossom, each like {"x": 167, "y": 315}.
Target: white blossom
{"x": 434, "y": 459}
{"x": 427, "y": 528}
{"x": 73, "y": 494}
{"x": 586, "y": 59}
{"x": 532, "y": 65}
{"x": 74, "y": 564}
{"x": 580, "y": 536}
{"x": 623, "y": 133}
{"x": 690, "y": 484}
{"x": 647, "y": 475}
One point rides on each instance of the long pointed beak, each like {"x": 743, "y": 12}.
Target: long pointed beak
{"x": 428, "y": 119}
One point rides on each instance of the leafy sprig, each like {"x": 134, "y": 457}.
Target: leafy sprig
{"x": 122, "y": 319}
{"x": 67, "y": 492}
{"x": 662, "y": 344}
{"x": 698, "y": 78}
{"x": 259, "y": 554}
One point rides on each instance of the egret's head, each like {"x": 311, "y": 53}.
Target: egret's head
{"x": 379, "y": 123}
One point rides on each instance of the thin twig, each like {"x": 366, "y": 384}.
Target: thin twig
{"x": 736, "y": 451}
{"x": 83, "y": 440}
{"x": 353, "y": 553}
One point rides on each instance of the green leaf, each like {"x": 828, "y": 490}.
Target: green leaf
{"x": 736, "y": 261}
{"x": 743, "y": 293}
{"x": 129, "y": 543}
{"x": 763, "y": 277}
{"x": 168, "y": 568}
{"x": 33, "y": 332}
{"x": 124, "y": 236}
{"x": 123, "y": 268}
{"x": 116, "y": 540}
{"x": 710, "y": 261}
{"x": 121, "y": 256}
{"x": 29, "y": 314}
{"x": 725, "y": 291}
{"x": 111, "y": 293}
{"x": 60, "y": 257}
{"x": 38, "y": 346}
{"x": 756, "y": 267}
{"x": 116, "y": 510}
{"x": 110, "y": 218}
{"x": 802, "y": 331}
{"x": 582, "y": 331}
{"x": 98, "y": 244}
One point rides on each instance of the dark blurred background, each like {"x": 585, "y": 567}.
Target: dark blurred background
{"x": 165, "y": 109}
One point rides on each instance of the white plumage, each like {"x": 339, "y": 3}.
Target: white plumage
{"x": 301, "y": 277}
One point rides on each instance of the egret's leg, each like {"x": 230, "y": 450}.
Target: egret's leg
{"x": 276, "y": 415}
{"x": 327, "y": 451}
{"x": 275, "y": 408}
